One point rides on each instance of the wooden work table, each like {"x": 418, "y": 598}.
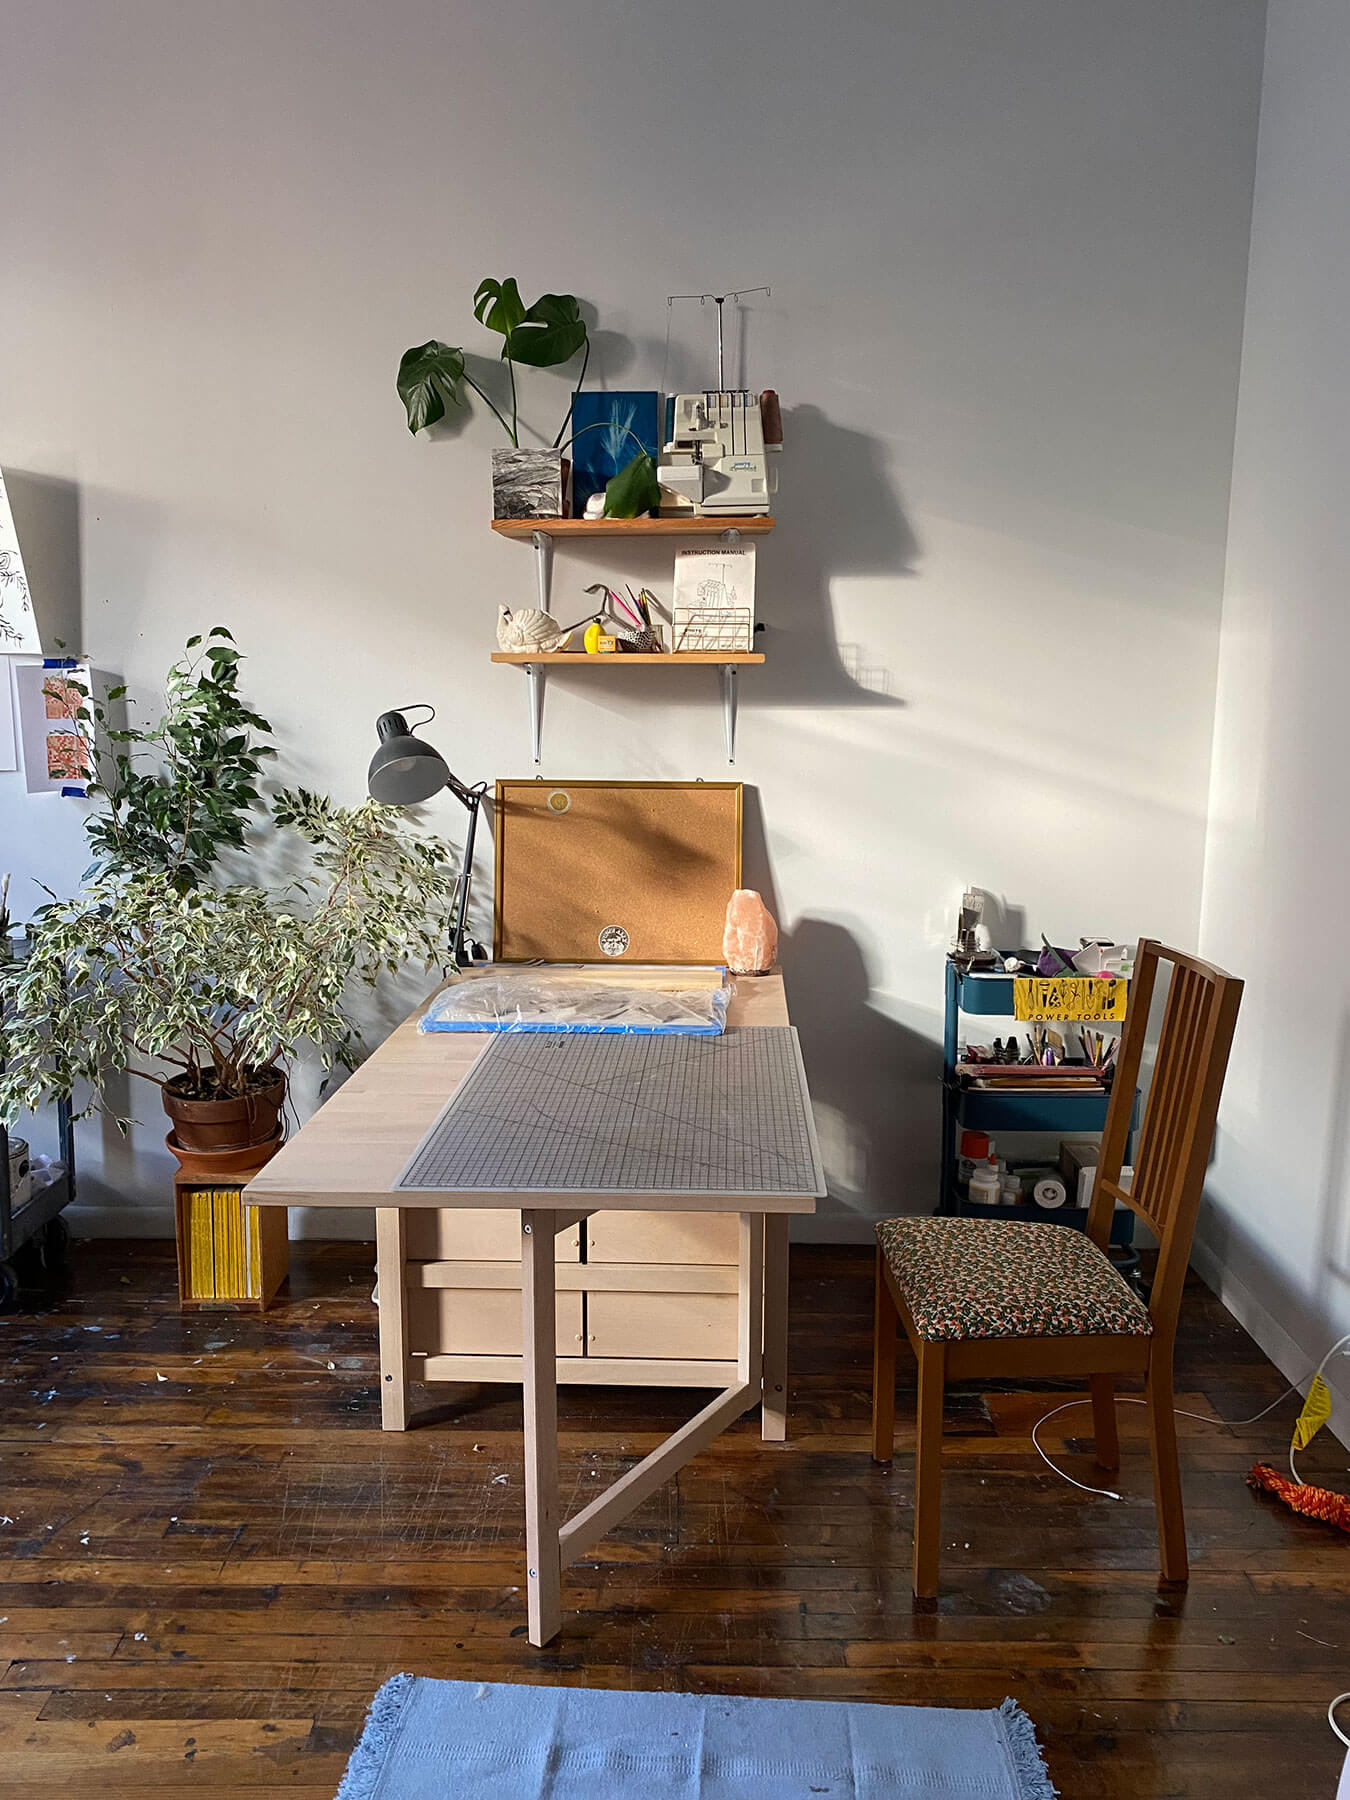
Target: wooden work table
{"x": 352, "y": 1152}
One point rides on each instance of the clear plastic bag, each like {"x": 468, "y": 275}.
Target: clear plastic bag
{"x": 538, "y": 1000}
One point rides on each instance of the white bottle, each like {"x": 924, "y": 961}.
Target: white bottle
{"x": 1010, "y": 1191}
{"x": 984, "y": 1183}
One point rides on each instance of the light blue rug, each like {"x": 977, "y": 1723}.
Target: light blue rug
{"x": 472, "y": 1740}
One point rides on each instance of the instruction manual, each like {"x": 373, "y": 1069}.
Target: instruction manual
{"x": 713, "y": 605}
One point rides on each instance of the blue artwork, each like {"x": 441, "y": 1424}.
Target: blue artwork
{"x": 599, "y": 453}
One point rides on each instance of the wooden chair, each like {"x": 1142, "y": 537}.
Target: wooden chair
{"x": 999, "y": 1298}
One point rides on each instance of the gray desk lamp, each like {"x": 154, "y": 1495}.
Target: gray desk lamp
{"x": 406, "y": 770}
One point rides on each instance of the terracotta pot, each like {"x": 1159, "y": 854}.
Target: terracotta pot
{"x": 238, "y": 1124}
{"x": 224, "y": 1165}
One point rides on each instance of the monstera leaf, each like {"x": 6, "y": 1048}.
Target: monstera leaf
{"x": 498, "y": 305}
{"x": 428, "y": 380}
{"x": 550, "y": 332}
{"x": 634, "y": 490}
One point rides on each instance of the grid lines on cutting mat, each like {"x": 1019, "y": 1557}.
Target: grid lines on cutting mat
{"x": 562, "y": 1113}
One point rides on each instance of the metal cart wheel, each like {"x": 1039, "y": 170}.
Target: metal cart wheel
{"x": 9, "y": 1288}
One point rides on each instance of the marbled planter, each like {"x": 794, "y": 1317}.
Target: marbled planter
{"x": 528, "y": 484}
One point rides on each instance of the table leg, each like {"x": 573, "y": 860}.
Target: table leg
{"x": 538, "y": 1307}
{"x": 773, "y": 1414}
{"x": 750, "y": 1307}
{"x": 390, "y": 1274}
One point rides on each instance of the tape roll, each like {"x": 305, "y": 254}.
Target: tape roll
{"x": 1050, "y": 1193}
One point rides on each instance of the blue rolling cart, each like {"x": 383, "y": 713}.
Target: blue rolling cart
{"x": 1069, "y": 1114}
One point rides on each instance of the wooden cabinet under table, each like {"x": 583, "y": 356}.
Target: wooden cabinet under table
{"x": 642, "y": 1297}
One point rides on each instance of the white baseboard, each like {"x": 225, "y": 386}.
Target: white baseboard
{"x": 350, "y": 1225}
{"x": 1295, "y": 1361}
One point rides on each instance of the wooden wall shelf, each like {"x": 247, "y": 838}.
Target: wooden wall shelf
{"x": 542, "y": 533}
{"x": 668, "y": 658}
{"x": 748, "y": 525}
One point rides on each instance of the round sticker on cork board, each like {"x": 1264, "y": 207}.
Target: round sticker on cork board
{"x": 558, "y": 801}
{"x": 614, "y": 940}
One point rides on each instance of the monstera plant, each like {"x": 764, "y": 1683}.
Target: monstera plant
{"x": 543, "y": 336}
{"x": 526, "y": 483}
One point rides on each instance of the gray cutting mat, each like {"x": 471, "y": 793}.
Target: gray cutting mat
{"x": 597, "y": 1114}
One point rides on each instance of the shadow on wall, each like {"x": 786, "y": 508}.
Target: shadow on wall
{"x": 875, "y": 1084}
{"x": 47, "y": 520}
{"x": 839, "y": 515}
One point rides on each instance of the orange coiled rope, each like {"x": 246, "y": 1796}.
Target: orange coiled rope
{"x": 1314, "y": 1502}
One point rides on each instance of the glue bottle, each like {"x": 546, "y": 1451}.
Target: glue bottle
{"x": 984, "y": 1183}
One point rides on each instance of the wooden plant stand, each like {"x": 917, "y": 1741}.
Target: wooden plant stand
{"x": 230, "y": 1254}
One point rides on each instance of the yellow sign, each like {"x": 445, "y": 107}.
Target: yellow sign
{"x": 1068, "y": 997}
{"x": 1316, "y": 1412}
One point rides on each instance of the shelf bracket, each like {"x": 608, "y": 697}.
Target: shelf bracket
{"x": 534, "y": 674}
{"x": 543, "y": 573}
{"x": 728, "y": 672}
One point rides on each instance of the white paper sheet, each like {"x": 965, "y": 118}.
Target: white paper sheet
{"x": 18, "y": 626}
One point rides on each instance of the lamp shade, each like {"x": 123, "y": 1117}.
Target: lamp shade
{"x": 405, "y": 769}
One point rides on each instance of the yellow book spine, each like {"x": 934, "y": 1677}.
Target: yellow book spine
{"x": 220, "y": 1213}
{"x": 238, "y": 1267}
{"x": 253, "y": 1236}
{"x": 201, "y": 1275}
{"x": 238, "y": 1287}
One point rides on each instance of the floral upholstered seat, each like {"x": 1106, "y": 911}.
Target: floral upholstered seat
{"x": 988, "y": 1278}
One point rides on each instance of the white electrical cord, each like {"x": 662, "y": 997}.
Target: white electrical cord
{"x": 1132, "y": 1400}
{"x": 1234, "y": 1424}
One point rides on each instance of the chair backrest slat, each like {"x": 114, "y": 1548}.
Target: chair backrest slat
{"x": 1172, "y": 1147}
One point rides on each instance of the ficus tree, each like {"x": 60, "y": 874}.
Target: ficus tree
{"x": 159, "y": 968}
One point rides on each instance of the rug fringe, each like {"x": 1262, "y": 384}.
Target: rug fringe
{"x": 367, "y": 1760}
{"x": 1033, "y": 1778}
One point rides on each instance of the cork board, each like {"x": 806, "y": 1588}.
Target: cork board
{"x": 615, "y": 871}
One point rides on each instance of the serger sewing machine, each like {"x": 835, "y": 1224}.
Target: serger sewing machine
{"x": 721, "y": 453}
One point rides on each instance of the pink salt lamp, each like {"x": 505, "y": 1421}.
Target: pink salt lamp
{"x": 750, "y": 941}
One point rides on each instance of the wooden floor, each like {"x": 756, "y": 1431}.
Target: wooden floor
{"x": 210, "y": 1557}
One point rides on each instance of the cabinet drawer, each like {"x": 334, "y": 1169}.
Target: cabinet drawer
{"x": 662, "y": 1237}
{"x": 482, "y": 1322}
{"x": 688, "y": 1326}
{"x": 486, "y": 1234}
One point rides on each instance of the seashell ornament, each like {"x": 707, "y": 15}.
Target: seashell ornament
{"x": 530, "y": 629}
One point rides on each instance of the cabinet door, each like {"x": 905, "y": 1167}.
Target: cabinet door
{"x": 662, "y": 1237}
{"x": 687, "y": 1326}
{"x": 482, "y": 1322}
{"x": 483, "y": 1234}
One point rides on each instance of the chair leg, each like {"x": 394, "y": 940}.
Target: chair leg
{"x": 928, "y": 1472}
{"x": 1162, "y": 1431}
{"x": 885, "y": 1330}
{"x": 1104, "y": 1421}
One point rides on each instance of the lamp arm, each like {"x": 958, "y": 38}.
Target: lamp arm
{"x": 471, "y": 798}
{"x": 467, "y": 796}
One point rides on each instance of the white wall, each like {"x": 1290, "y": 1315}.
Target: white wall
{"x": 1275, "y": 1238}
{"x": 1007, "y": 246}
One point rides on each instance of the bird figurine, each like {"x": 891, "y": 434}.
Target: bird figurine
{"x": 529, "y": 629}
